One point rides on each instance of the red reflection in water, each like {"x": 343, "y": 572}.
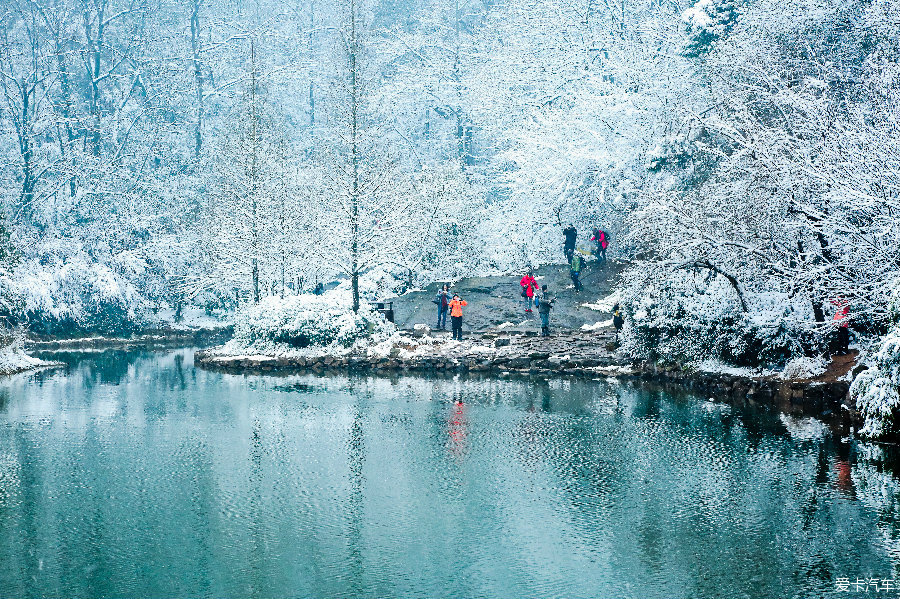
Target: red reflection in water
{"x": 457, "y": 429}
{"x": 844, "y": 482}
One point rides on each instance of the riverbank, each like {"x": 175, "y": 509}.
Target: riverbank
{"x": 14, "y": 360}
{"x": 149, "y": 339}
{"x": 584, "y": 354}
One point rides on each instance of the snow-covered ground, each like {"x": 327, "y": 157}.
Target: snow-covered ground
{"x": 717, "y": 367}
{"x": 605, "y": 304}
{"x": 13, "y": 359}
{"x": 605, "y": 324}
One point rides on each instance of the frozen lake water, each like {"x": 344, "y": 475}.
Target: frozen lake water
{"x": 133, "y": 474}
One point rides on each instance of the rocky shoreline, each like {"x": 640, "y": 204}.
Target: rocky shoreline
{"x": 571, "y": 353}
{"x": 150, "y": 339}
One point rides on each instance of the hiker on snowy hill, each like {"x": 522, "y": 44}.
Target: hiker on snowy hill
{"x": 602, "y": 239}
{"x": 544, "y": 306}
{"x": 456, "y": 306}
{"x": 618, "y": 320}
{"x": 571, "y": 234}
{"x": 575, "y": 265}
{"x": 443, "y": 304}
{"x": 529, "y": 286}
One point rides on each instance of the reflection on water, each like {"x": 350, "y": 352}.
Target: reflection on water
{"x": 134, "y": 474}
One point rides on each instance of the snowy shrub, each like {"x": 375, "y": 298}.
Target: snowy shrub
{"x": 302, "y": 321}
{"x": 875, "y": 391}
{"x": 676, "y": 150}
{"x": 682, "y": 324}
{"x": 63, "y": 292}
{"x": 735, "y": 339}
{"x": 804, "y": 368}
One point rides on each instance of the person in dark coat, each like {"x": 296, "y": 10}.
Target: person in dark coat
{"x": 571, "y": 234}
{"x": 545, "y": 304}
{"x": 443, "y": 305}
{"x": 618, "y": 320}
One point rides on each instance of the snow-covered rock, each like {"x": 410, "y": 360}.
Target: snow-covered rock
{"x": 605, "y": 304}
{"x": 804, "y": 368}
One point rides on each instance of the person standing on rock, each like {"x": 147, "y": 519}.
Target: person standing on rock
{"x": 529, "y": 286}
{"x": 575, "y": 265}
{"x": 571, "y": 234}
{"x": 456, "y": 306}
{"x": 544, "y": 307}
{"x": 618, "y": 320}
{"x": 443, "y": 305}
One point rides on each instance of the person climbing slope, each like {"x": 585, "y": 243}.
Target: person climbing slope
{"x": 602, "y": 239}
{"x": 571, "y": 234}
{"x": 575, "y": 266}
{"x": 456, "y": 306}
{"x": 529, "y": 286}
{"x": 618, "y": 320}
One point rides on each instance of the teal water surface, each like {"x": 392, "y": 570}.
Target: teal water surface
{"x": 134, "y": 474}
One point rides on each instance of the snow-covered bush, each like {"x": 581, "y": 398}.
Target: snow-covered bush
{"x": 875, "y": 391}
{"x": 680, "y": 322}
{"x": 735, "y": 339}
{"x": 61, "y": 291}
{"x": 804, "y": 368}
{"x": 279, "y": 324}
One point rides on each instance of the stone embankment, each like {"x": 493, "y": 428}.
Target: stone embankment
{"x": 567, "y": 353}
{"x": 816, "y": 397}
{"x": 572, "y": 353}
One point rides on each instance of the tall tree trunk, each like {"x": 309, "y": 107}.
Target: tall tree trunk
{"x": 457, "y": 80}
{"x": 198, "y": 79}
{"x": 312, "y": 99}
{"x": 26, "y": 148}
{"x": 354, "y": 159}
{"x": 93, "y": 63}
{"x": 254, "y": 177}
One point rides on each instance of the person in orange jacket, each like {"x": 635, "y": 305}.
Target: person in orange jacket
{"x": 456, "y": 306}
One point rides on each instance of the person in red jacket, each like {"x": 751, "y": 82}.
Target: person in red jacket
{"x": 602, "y": 239}
{"x": 842, "y": 320}
{"x": 529, "y": 286}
